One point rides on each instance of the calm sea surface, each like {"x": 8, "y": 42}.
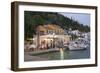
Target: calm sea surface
{"x": 78, "y": 54}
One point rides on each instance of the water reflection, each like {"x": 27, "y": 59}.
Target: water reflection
{"x": 61, "y": 53}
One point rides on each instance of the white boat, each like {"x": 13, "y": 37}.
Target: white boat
{"x": 76, "y": 46}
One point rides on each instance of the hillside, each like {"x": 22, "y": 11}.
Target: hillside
{"x": 33, "y": 19}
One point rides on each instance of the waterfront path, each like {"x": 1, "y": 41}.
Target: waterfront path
{"x": 32, "y": 56}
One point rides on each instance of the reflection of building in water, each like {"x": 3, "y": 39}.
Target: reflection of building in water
{"x": 51, "y": 36}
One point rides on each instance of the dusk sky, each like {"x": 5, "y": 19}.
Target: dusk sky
{"x": 82, "y": 18}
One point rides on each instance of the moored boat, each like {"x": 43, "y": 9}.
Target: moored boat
{"x": 76, "y": 46}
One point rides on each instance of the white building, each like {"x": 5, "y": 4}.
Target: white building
{"x": 75, "y": 32}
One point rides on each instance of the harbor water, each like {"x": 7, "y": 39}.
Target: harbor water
{"x": 67, "y": 54}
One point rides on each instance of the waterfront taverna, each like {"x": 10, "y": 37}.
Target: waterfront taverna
{"x": 50, "y": 36}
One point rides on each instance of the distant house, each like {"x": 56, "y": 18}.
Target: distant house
{"x": 76, "y": 32}
{"x": 86, "y": 35}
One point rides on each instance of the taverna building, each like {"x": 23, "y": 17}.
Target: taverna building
{"x": 50, "y": 36}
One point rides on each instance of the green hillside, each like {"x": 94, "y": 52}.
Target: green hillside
{"x": 33, "y": 19}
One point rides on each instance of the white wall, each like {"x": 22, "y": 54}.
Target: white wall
{"x": 5, "y": 40}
